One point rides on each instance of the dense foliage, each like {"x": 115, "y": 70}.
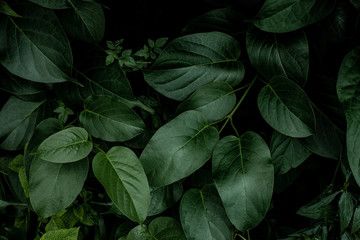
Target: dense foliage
{"x": 148, "y": 119}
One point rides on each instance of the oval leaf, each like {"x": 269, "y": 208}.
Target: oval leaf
{"x": 278, "y": 54}
{"x": 281, "y": 16}
{"x": 54, "y": 186}
{"x": 45, "y": 54}
{"x": 123, "y": 177}
{"x": 178, "y": 148}
{"x": 68, "y": 145}
{"x": 64, "y": 234}
{"x": 203, "y": 216}
{"x": 217, "y": 95}
{"x": 286, "y": 108}
{"x": 346, "y": 210}
{"x": 244, "y": 177}
{"x": 164, "y": 197}
{"x": 111, "y": 120}
{"x": 194, "y": 60}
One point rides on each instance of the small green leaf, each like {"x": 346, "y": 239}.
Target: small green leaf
{"x": 151, "y": 43}
{"x": 6, "y": 9}
{"x": 346, "y": 210}
{"x": 123, "y": 177}
{"x": 355, "y": 226}
{"x": 62, "y": 234}
{"x": 160, "y": 42}
{"x": 69, "y": 145}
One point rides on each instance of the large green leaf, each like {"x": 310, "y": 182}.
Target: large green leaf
{"x": 54, "y": 186}
{"x": 85, "y": 20}
{"x": 109, "y": 119}
{"x": 58, "y": 4}
{"x": 35, "y": 46}
{"x": 286, "y": 108}
{"x": 244, "y": 177}
{"x": 161, "y": 228}
{"x": 287, "y": 152}
{"x": 178, "y": 148}
{"x": 62, "y": 234}
{"x": 214, "y": 100}
{"x": 68, "y": 145}
{"x": 288, "y": 15}
{"x": 17, "y": 120}
{"x": 203, "y": 217}
{"x": 164, "y": 197}
{"x": 123, "y": 177}
{"x": 194, "y": 60}
{"x": 278, "y": 54}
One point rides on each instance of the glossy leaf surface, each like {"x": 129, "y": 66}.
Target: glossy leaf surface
{"x": 123, "y": 177}
{"x": 244, "y": 177}
{"x": 178, "y": 148}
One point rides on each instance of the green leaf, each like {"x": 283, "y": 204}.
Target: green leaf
{"x": 6, "y": 9}
{"x": 216, "y": 95}
{"x": 244, "y": 177}
{"x": 160, "y": 42}
{"x": 44, "y": 54}
{"x": 287, "y": 152}
{"x": 286, "y": 108}
{"x": 69, "y": 145}
{"x": 281, "y": 16}
{"x": 84, "y": 21}
{"x": 161, "y": 228}
{"x": 123, "y": 177}
{"x": 203, "y": 216}
{"x": 164, "y": 197}
{"x": 62, "y": 234}
{"x": 355, "y": 226}
{"x": 346, "y": 210}
{"x": 178, "y": 148}
{"x": 111, "y": 120}
{"x": 278, "y": 54}
{"x": 17, "y": 120}
{"x": 54, "y": 186}
{"x": 58, "y": 4}
{"x": 190, "y": 61}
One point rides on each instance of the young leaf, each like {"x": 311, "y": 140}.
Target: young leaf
{"x": 346, "y": 210}
{"x": 45, "y": 53}
{"x": 17, "y": 120}
{"x": 69, "y": 145}
{"x": 85, "y": 20}
{"x": 64, "y": 234}
{"x": 58, "y": 4}
{"x": 278, "y": 54}
{"x": 188, "y": 62}
{"x": 178, "y": 148}
{"x": 286, "y": 108}
{"x": 281, "y": 16}
{"x": 244, "y": 177}
{"x": 123, "y": 177}
{"x": 164, "y": 197}
{"x": 203, "y": 216}
{"x": 54, "y": 186}
{"x": 216, "y": 95}
{"x": 109, "y": 119}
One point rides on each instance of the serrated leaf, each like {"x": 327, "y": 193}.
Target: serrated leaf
{"x": 244, "y": 177}
{"x": 109, "y": 119}
{"x": 123, "y": 177}
{"x": 203, "y": 216}
{"x": 217, "y": 95}
{"x": 346, "y": 210}
{"x": 281, "y": 16}
{"x": 178, "y": 148}
{"x": 18, "y": 119}
{"x": 278, "y": 54}
{"x": 62, "y": 234}
{"x": 58, "y": 4}
{"x": 54, "y": 186}
{"x": 286, "y": 108}
{"x": 68, "y": 145}
{"x": 164, "y": 197}
{"x": 190, "y": 61}
{"x": 85, "y": 20}
{"x": 44, "y": 54}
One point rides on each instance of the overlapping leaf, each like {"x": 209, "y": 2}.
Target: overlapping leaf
{"x": 44, "y": 54}
{"x": 62, "y": 234}
{"x": 164, "y": 197}
{"x": 178, "y": 148}
{"x": 191, "y": 61}
{"x": 244, "y": 177}
{"x": 123, "y": 177}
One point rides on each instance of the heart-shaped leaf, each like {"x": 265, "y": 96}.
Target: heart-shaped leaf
{"x": 69, "y": 145}
{"x": 178, "y": 148}
{"x": 202, "y": 215}
{"x": 286, "y": 108}
{"x": 109, "y": 119}
{"x": 194, "y": 60}
{"x": 244, "y": 177}
{"x": 123, "y": 177}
